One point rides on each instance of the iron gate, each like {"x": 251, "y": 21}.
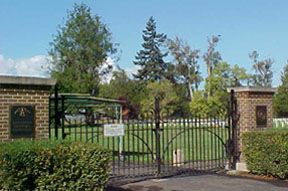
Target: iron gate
{"x": 152, "y": 146}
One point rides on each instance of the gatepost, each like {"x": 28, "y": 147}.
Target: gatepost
{"x": 255, "y": 112}
{"x": 24, "y": 107}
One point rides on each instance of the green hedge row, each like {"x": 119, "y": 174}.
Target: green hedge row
{"x": 266, "y": 152}
{"x": 47, "y": 165}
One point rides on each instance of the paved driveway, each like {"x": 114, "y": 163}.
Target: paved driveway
{"x": 205, "y": 183}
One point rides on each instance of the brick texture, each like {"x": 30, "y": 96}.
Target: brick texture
{"x": 246, "y": 105}
{"x": 36, "y": 97}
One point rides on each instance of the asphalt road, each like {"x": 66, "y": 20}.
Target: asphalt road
{"x": 204, "y": 183}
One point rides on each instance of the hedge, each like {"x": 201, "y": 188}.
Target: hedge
{"x": 47, "y": 165}
{"x": 266, "y": 152}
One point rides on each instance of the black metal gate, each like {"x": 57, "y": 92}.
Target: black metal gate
{"x": 155, "y": 146}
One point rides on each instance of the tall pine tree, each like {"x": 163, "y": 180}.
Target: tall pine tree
{"x": 150, "y": 58}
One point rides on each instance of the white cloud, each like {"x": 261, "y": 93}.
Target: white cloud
{"x": 109, "y": 62}
{"x": 36, "y": 66}
{"x": 132, "y": 70}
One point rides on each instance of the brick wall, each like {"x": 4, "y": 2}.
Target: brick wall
{"x": 247, "y": 102}
{"x": 32, "y": 93}
{"x": 37, "y": 98}
{"x": 246, "y": 105}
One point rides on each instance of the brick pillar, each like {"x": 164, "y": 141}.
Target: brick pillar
{"x": 255, "y": 111}
{"x": 24, "y": 107}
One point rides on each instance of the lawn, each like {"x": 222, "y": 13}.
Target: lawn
{"x": 192, "y": 141}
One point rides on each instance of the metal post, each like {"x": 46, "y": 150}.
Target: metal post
{"x": 56, "y": 117}
{"x": 121, "y": 137}
{"x": 234, "y": 117}
{"x": 157, "y": 135}
{"x": 62, "y": 117}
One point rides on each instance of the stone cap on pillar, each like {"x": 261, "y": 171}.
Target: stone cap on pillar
{"x": 253, "y": 89}
{"x": 21, "y": 80}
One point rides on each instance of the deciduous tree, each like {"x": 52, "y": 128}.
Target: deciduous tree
{"x": 222, "y": 77}
{"x": 212, "y": 57}
{"x": 263, "y": 70}
{"x": 164, "y": 90}
{"x": 80, "y": 51}
{"x": 123, "y": 88}
{"x": 186, "y": 70}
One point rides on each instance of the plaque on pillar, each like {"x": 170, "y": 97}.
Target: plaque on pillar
{"x": 261, "y": 116}
{"x": 22, "y": 121}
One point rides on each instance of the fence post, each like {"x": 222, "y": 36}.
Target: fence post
{"x": 157, "y": 134}
{"x": 63, "y": 117}
{"x": 234, "y": 116}
{"x": 56, "y": 117}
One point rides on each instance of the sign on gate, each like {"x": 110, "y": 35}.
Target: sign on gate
{"x": 113, "y": 130}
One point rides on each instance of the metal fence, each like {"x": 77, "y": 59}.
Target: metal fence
{"x": 154, "y": 146}
{"x": 183, "y": 144}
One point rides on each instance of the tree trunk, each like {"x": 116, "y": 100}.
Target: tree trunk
{"x": 190, "y": 91}
{"x": 209, "y": 71}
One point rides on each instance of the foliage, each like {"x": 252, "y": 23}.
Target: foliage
{"x": 266, "y": 152}
{"x": 219, "y": 79}
{"x": 150, "y": 58}
{"x": 280, "y": 102}
{"x": 215, "y": 105}
{"x": 198, "y": 105}
{"x": 47, "y": 165}
{"x": 263, "y": 71}
{"x": 222, "y": 77}
{"x": 164, "y": 90}
{"x": 238, "y": 76}
{"x": 212, "y": 57}
{"x": 181, "y": 106}
{"x": 186, "y": 67}
{"x": 80, "y": 50}
{"x": 123, "y": 88}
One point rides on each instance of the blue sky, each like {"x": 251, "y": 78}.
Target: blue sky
{"x": 28, "y": 26}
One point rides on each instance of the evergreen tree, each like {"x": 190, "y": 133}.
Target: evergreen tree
{"x": 150, "y": 58}
{"x": 80, "y": 50}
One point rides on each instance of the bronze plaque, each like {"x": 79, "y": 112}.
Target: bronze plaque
{"x": 22, "y": 121}
{"x": 261, "y": 116}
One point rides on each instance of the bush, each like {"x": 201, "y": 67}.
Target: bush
{"x": 47, "y": 165}
{"x": 266, "y": 152}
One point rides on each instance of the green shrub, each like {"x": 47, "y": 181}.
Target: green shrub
{"x": 47, "y": 165}
{"x": 266, "y": 152}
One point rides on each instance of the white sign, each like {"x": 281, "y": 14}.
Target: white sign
{"x": 111, "y": 130}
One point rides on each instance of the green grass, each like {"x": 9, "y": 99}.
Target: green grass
{"x": 139, "y": 145}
